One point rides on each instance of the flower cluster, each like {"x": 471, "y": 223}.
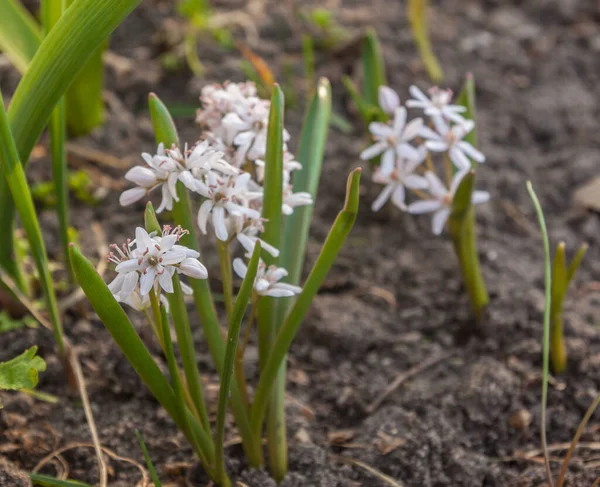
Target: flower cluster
{"x": 149, "y": 263}
{"x": 408, "y": 149}
{"x": 225, "y": 168}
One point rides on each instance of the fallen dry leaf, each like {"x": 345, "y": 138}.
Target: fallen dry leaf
{"x": 588, "y": 195}
{"x": 339, "y": 437}
{"x": 387, "y": 443}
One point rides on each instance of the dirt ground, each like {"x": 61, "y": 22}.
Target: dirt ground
{"x": 394, "y": 299}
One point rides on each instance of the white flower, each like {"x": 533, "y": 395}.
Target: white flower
{"x": 441, "y": 202}
{"x": 450, "y": 139}
{"x": 249, "y": 235}
{"x": 392, "y": 140}
{"x": 437, "y": 105}
{"x": 167, "y": 167}
{"x": 388, "y": 99}
{"x": 400, "y": 178}
{"x": 225, "y": 196}
{"x": 267, "y": 280}
{"x": 152, "y": 263}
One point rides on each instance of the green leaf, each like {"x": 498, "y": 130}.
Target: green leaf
{"x": 22, "y": 371}
{"x": 462, "y": 230}
{"x": 308, "y": 57}
{"x": 313, "y": 139}
{"x": 7, "y": 323}
{"x": 466, "y": 98}
{"x": 14, "y": 175}
{"x": 150, "y": 219}
{"x": 149, "y": 463}
{"x": 373, "y": 67}
{"x": 20, "y": 34}
{"x": 47, "y": 481}
{"x": 559, "y": 274}
{"x": 419, "y": 24}
{"x": 165, "y": 130}
{"x": 333, "y": 244}
{"x": 272, "y": 214}
{"x": 235, "y": 323}
{"x": 576, "y": 262}
{"x": 64, "y": 51}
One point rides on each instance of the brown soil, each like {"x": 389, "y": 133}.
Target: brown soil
{"x": 394, "y": 299}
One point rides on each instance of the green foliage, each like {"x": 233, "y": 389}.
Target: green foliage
{"x": 7, "y": 323}
{"x": 21, "y": 372}
{"x": 373, "y": 67}
{"x": 20, "y": 34}
{"x": 47, "y": 481}
{"x": 419, "y": 24}
{"x": 79, "y": 183}
{"x": 562, "y": 275}
{"x": 149, "y": 463}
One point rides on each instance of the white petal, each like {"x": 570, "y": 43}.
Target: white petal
{"x": 471, "y": 151}
{"x": 116, "y": 284}
{"x": 418, "y": 94}
{"x": 147, "y": 281}
{"x": 388, "y": 99}
{"x": 368, "y": 153}
{"x": 439, "y": 220}
{"x": 218, "y": 219}
{"x": 193, "y": 268}
{"x": 276, "y": 292}
{"x": 289, "y": 287}
{"x": 436, "y": 145}
{"x": 380, "y": 130}
{"x": 399, "y": 120}
{"x": 436, "y": 187}
{"x": 239, "y": 267}
{"x": 128, "y": 266}
{"x": 188, "y": 180}
{"x": 132, "y": 195}
{"x": 203, "y": 213}
{"x": 167, "y": 242}
{"x": 129, "y": 283}
{"x": 172, "y": 257}
{"x": 142, "y": 239}
{"x": 382, "y": 198}
{"x": 413, "y": 181}
{"x": 407, "y": 151}
{"x": 413, "y": 129}
{"x": 456, "y": 180}
{"x": 142, "y": 176}
{"x": 427, "y": 133}
{"x": 460, "y": 160}
{"x": 480, "y": 197}
{"x": 387, "y": 162}
{"x": 424, "y": 206}
{"x": 172, "y": 185}
{"x": 166, "y": 282}
{"x": 399, "y": 196}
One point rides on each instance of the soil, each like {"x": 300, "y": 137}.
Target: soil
{"x": 394, "y": 299}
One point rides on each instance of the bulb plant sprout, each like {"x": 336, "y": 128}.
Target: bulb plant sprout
{"x": 427, "y": 165}
{"x": 252, "y": 195}
{"x": 562, "y": 275}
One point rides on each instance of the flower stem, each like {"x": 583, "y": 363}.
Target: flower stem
{"x": 239, "y": 356}
{"x": 157, "y": 318}
{"x": 226, "y": 275}
{"x": 212, "y": 332}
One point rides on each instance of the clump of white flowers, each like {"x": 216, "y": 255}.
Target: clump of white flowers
{"x": 226, "y": 170}
{"x": 149, "y": 263}
{"x": 410, "y": 150}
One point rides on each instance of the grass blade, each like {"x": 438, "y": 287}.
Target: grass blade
{"x": 20, "y": 34}
{"x": 64, "y": 51}
{"x": 47, "y": 481}
{"x": 546, "y": 342}
{"x": 17, "y": 183}
{"x": 466, "y": 98}
{"x": 235, "y": 323}
{"x": 149, "y": 463}
{"x": 419, "y": 24}
{"x": 333, "y": 244}
{"x": 373, "y": 67}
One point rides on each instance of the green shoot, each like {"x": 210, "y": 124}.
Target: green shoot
{"x": 20, "y": 34}
{"x": 21, "y": 372}
{"x": 561, "y": 279}
{"x": 419, "y": 24}
{"x": 546, "y": 342}
{"x": 149, "y": 463}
